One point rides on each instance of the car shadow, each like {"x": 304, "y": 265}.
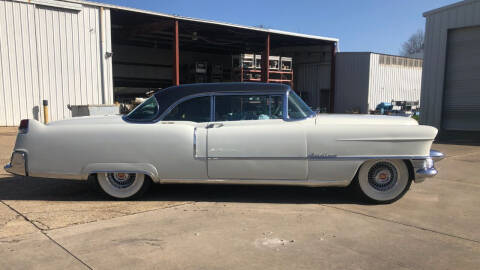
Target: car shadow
{"x": 26, "y": 188}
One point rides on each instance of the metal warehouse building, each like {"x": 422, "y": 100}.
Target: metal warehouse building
{"x": 365, "y": 79}
{"x": 77, "y": 53}
{"x": 451, "y": 76}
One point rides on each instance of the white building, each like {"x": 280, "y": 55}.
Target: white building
{"x": 451, "y": 77}
{"x": 364, "y": 80}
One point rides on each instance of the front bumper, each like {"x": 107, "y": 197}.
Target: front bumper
{"x": 18, "y": 164}
{"x": 425, "y": 168}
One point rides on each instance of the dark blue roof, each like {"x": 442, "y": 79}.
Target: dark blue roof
{"x": 170, "y": 95}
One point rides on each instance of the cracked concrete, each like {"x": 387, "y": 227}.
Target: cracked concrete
{"x": 57, "y": 224}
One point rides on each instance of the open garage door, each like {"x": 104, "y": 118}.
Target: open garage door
{"x": 461, "y": 108}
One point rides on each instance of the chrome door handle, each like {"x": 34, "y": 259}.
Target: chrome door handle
{"x": 214, "y": 125}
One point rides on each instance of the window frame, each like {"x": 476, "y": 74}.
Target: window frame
{"x": 284, "y": 94}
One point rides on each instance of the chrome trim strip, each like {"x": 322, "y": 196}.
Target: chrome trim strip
{"x": 310, "y": 183}
{"x": 322, "y": 158}
{"x": 195, "y": 142}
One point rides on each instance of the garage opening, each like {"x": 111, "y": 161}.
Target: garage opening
{"x": 146, "y": 59}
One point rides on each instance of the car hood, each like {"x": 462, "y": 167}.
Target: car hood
{"x": 364, "y": 119}
{"x": 89, "y": 120}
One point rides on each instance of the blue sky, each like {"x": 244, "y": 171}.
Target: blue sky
{"x": 361, "y": 25}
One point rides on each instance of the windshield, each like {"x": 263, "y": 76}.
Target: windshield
{"x": 297, "y": 109}
{"x": 147, "y": 111}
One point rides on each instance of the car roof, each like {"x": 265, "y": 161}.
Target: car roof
{"x": 168, "y": 96}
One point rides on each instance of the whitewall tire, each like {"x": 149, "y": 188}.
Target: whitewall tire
{"x": 123, "y": 185}
{"x": 383, "y": 181}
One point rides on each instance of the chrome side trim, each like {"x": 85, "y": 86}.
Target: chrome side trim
{"x": 322, "y": 158}
{"x": 18, "y": 164}
{"x": 195, "y": 142}
{"x": 307, "y": 183}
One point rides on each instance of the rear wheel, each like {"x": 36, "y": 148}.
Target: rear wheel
{"x": 123, "y": 185}
{"x": 383, "y": 181}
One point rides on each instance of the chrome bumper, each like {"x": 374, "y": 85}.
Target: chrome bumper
{"x": 18, "y": 164}
{"x": 425, "y": 168}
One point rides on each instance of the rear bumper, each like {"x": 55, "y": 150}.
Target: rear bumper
{"x": 18, "y": 164}
{"x": 425, "y": 168}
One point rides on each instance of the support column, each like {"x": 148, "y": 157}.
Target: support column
{"x": 332, "y": 77}
{"x": 176, "y": 55}
{"x": 265, "y": 57}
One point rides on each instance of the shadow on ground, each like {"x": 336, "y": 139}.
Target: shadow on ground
{"x": 21, "y": 188}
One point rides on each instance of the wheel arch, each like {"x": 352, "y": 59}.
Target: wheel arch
{"x": 143, "y": 168}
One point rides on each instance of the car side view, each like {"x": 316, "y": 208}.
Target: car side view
{"x": 233, "y": 133}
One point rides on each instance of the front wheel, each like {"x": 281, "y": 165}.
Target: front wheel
{"x": 383, "y": 181}
{"x": 123, "y": 185}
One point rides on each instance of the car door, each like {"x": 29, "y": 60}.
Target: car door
{"x": 184, "y": 156}
{"x": 250, "y": 140}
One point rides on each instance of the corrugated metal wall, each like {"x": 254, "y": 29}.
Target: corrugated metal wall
{"x": 351, "y": 82}
{"x": 311, "y": 79}
{"x": 459, "y": 15}
{"x": 54, "y": 54}
{"x": 389, "y": 82}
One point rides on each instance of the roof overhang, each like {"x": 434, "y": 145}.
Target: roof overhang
{"x": 182, "y": 18}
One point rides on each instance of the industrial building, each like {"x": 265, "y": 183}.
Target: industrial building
{"x": 78, "y": 53}
{"x": 451, "y": 74}
{"x": 366, "y": 79}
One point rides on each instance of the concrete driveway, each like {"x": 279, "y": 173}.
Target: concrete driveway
{"x": 59, "y": 224}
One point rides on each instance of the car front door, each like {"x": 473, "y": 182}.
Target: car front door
{"x": 250, "y": 140}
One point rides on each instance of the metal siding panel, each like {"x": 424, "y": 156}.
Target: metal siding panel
{"x": 88, "y": 56}
{"x": 393, "y": 82}
{"x": 21, "y": 73}
{"x": 462, "y": 80}
{"x": 63, "y": 110}
{"x": 437, "y": 25}
{"x": 13, "y": 63}
{"x": 351, "y": 82}
{"x": 97, "y": 56}
{"x": 108, "y": 41}
{"x": 76, "y": 68}
{"x": 70, "y": 66}
{"x": 5, "y": 71}
{"x": 33, "y": 54}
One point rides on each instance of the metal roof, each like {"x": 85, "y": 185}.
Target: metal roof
{"x": 444, "y": 8}
{"x": 259, "y": 29}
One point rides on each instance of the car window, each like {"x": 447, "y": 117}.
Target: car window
{"x": 195, "y": 110}
{"x": 147, "y": 111}
{"x": 248, "y": 107}
{"x": 297, "y": 109}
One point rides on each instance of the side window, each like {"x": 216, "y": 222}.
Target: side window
{"x": 248, "y": 107}
{"x": 146, "y": 111}
{"x": 297, "y": 109}
{"x": 195, "y": 110}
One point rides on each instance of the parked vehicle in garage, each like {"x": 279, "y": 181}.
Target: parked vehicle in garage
{"x": 237, "y": 133}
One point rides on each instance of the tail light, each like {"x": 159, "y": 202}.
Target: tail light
{"x": 23, "y": 128}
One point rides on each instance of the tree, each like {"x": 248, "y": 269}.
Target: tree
{"x": 413, "y": 47}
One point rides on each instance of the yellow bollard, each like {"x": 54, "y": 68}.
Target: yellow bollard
{"x": 45, "y": 111}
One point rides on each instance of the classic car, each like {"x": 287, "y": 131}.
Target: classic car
{"x": 233, "y": 133}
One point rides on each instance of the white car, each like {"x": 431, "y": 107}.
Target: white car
{"x": 233, "y": 133}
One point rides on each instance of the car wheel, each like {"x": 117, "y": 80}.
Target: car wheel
{"x": 123, "y": 185}
{"x": 383, "y": 181}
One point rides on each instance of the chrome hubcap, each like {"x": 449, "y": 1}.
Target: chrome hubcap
{"x": 382, "y": 176}
{"x": 121, "y": 180}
